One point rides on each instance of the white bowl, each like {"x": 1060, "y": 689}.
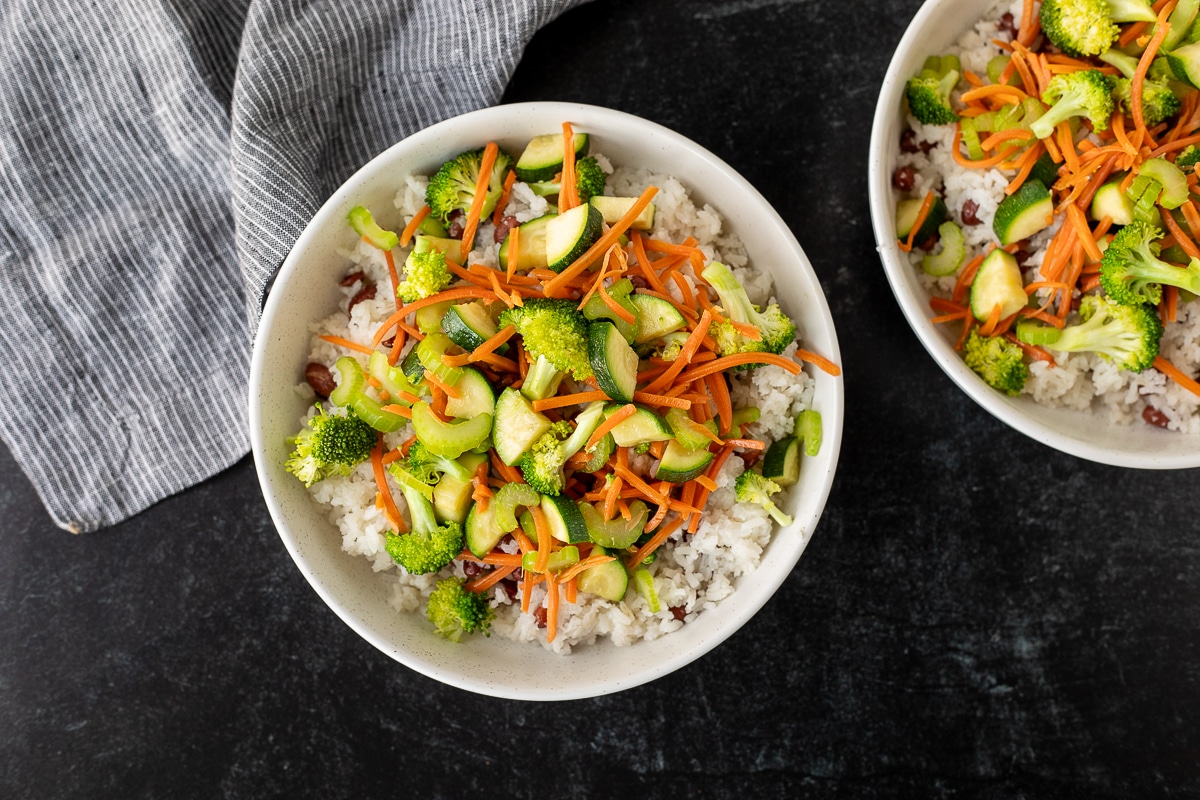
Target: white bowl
{"x": 304, "y": 291}
{"x": 936, "y": 26}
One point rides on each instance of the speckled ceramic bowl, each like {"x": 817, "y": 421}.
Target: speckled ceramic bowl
{"x": 936, "y": 26}
{"x": 304, "y": 292}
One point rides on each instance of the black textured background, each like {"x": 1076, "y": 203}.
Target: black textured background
{"x": 977, "y": 615}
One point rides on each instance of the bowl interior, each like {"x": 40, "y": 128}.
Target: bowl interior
{"x": 936, "y": 26}
{"x": 305, "y": 291}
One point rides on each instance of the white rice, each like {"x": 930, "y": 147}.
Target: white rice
{"x": 693, "y": 572}
{"x": 1085, "y": 382}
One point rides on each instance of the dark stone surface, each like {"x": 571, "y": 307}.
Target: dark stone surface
{"x": 977, "y": 615}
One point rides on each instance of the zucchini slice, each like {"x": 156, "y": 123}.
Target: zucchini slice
{"x": 782, "y": 461}
{"x": 613, "y": 208}
{"x": 618, "y": 532}
{"x": 452, "y": 497}
{"x": 542, "y": 158}
{"x": 565, "y": 520}
{"x": 1110, "y": 201}
{"x": 655, "y": 318}
{"x": 679, "y": 464}
{"x": 468, "y": 324}
{"x": 1023, "y": 213}
{"x": 475, "y": 396}
{"x": 570, "y": 234}
{"x": 953, "y": 254}
{"x": 608, "y": 580}
{"x": 1185, "y": 63}
{"x": 906, "y": 215}
{"x": 644, "y": 426}
{"x": 613, "y": 360}
{"x": 998, "y": 282}
{"x": 517, "y": 426}
{"x": 531, "y": 246}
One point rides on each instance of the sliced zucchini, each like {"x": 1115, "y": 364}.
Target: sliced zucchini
{"x": 781, "y": 463}
{"x": 655, "y": 318}
{"x": 613, "y": 208}
{"x": 618, "y": 533}
{"x": 449, "y": 439}
{"x": 558, "y": 560}
{"x": 644, "y": 426}
{"x": 688, "y": 433}
{"x": 564, "y": 518}
{"x": 998, "y": 282}
{"x": 451, "y": 496}
{"x": 570, "y": 234}
{"x": 531, "y": 245}
{"x": 1170, "y": 177}
{"x": 906, "y": 214}
{"x": 542, "y": 158}
{"x": 1023, "y": 213}
{"x": 613, "y": 360}
{"x": 953, "y": 254}
{"x": 1110, "y": 201}
{"x": 484, "y": 529}
{"x": 475, "y": 396}
{"x": 468, "y": 324}
{"x": 679, "y": 464}
{"x": 1185, "y": 64}
{"x": 429, "y": 318}
{"x": 596, "y": 309}
{"x": 599, "y": 455}
{"x": 412, "y": 367}
{"x": 1044, "y": 170}
{"x": 517, "y": 426}
{"x": 442, "y": 244}
{"x": 608, "y": 580}
{"x": 643, "y": 581}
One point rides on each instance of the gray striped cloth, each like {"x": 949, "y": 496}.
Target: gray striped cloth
{"x": 160, "y": 157}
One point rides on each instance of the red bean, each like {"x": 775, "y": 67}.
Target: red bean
{"x": 352, "y": 278}
{"x": 969, "y": 210}
{"x": 904, "y": 179}
{"x": 539, "y": 616}
{"x": 506, "y": 224}
{"x": 1155, "y": 417}
{"x": 455, "y": 227}
{"x": 679, "y": 612}
{"x": 471, "y": 568}
{"x": 1006, "y": 24}
{"x": 367, "y": 292}
{"x": 639, "y": 282}
{"x": 320, "y": 379}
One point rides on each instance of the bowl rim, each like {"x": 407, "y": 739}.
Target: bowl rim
{"x": 750, "y": 601}
{"x": 1023, "y": 414}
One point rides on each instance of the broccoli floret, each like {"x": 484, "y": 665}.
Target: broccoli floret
{"x": 452, "y": 188}
{"x": 928, "y": 92}
{"x": 1128, "y": 335}
{"x": 1159, "y": 102}
{"x": 428, "y": 546}
{"x": 1131, "y": 272}
{"x": 775, "y": 329}
{"x": 555, "y": 329}
{"x": 754, "y": 488}
{"x": 425, "y": 274}
{"x": 589, "y": 180}
{"x": 1188, "y": 157}
{"x": 542, "y": 464}
{"x": 454, "y": 611}
{"x": 1085, "y": 93}
{"x": 998, "y": 361}
{"x": 1089, "y": 27}
{"x": 427, "y": 467}
{"x": 330, "y": 444}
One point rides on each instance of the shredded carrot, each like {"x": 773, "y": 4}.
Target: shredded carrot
{"x": 502, "y": 202}
{"x": 568, "y": 194}
{"x": 411, "y": 228}
{"x": 455, "y": 293}
{"x": 746, "y": 444}
{"x": 1083, "y": 232}
{"x": 491, "y": 578}
{"x": 393, "y": 276}
{"x": 396, "y": 408}
{"x": 643, "y": 262}
{"x": 612, "y": 495}
{"x": 514, "y": 250}
{"x": 441, "y": 385}
{"x": 509, "y": 474}
{"x": 389, "y": 504}
{"x": 490, "y": 151}
{"x": 707, "y": 482}
{"x": 822, "y": 363}
{"x": 552, "y": 601}
{"x": 922, "y": 215}
{"x": 1161, "y": 28}
{"x": 635, "y": 480}
{"x": 556, "y": 284}
{"x": 349, "y": 345}
{"x": 575, "y": 398}
{"x": 481, "y": 493}
{"x": 1175, "y": 374}
{"x": 725, "y": 362}
{"x": 544, "y": 542}
{"x": 689, "y": 348}
{"x": 1181, "y": 238}
{"x": 662, "y": 400}
{"x": 619, "y": 416}
{"x": 661, "y": 535}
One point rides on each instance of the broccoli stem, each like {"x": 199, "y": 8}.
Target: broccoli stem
{"x": 542, "y": 380}
{"x": 420, "y": 509}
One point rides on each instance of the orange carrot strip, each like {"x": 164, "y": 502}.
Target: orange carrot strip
{"x": 560, "y": 401}
{"x": 1083, "y": 232}
{"x": 544, "y": 542}
{"x": 922, "y": 213}
{"x": 719, "y": 391}
{"x": 634, "y": 480}
{"x": 661, "y": 400}
{"x": 481, "y": 493}
{"x": 587, "y": 563}
{"x": 455, "y": 293}
{"x": 514, "y": 250}
{"x": 992, "y": 90}
{"x": 395, "y": 408}
{"x": 441, "y": 385}
{"x": 502, "y": 202}
{"x": 552, "y": 601}
{"x": 1181, "y": 238}
{"x": 999, "y": 137}
{"x": 490, "y": 151}
{"x": 393, "y": 276}
{"x": 1175, "y": 374}
{"x": 616, "y": 307}
{"x": 985, "y": 163}
{"x": 661, "y": 535}
{"x": 556, "y": 284}
{"x": 389, "y": 504}
{"x": 1137, "y": 82}
{"x": 689, "y": 348}
{"x": 822, "y": 363}
{"x": 509, "y": 474}
{"x": 411, "y": 228}
{"x": 349, "y": 345}
{"x": 643, "y": 261}
{"x": 619, "y": 416}
{"x": 490, "y": 579}
{"x": 568, "y": 195}
{"x": 725, "y": 362}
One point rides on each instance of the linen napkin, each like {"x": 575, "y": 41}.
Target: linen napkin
{"x": 160, "y": 158}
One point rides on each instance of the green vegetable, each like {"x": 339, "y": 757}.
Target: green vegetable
{"x": 1131, "y": 272}
{"x": 428, "y": 467}
{"x": 1159, "y": 102}
{"x": 425, "y": 274}
{"x": 449, "y": 439}
{"x": 558, "y": 560}
{"x": 454, "y": 611}
{"x": 808, "y": 430}
{"x": 452, "y": 187}
{"x": 351, "y": 392}
{"x": 751, "y": 487}
{"x": 365, "y": 226}
{"x": 953, "y": 254}
{"x": 998, "y": 361}
{"x": 1084, "y": 93}
{"x": 617, "y": 533}
{"x": 330, "y": 444}
{"x": 643, "y": 581}
{"x": 1089, "y": 27}
{"x": 596, "y": 309}
{"x": 429, "y": 546}
{"x": 1127, "y": 335}
{"x": 553, "y": 330}
{"x": 928, "y": 92}
{"x": 542, "y": 464}
{"x": 589, "y": 180}
{"x": 776, "y": 330}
